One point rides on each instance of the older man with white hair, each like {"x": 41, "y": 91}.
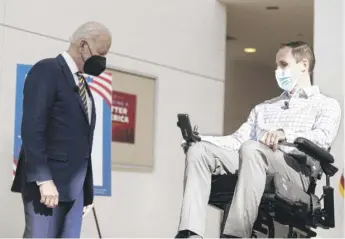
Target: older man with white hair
{"x": 54, "y": 173}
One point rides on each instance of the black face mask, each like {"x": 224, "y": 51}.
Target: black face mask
{"x": 94, "y": 65}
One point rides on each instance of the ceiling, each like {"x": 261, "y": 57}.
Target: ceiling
{"x": 254, "y": 26}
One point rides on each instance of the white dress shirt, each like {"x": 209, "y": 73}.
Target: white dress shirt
{"x": 74, "y": 70}
{"x": 306, "y": 113}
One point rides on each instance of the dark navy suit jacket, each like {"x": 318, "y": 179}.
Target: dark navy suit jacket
{"x": 56, "y": 133}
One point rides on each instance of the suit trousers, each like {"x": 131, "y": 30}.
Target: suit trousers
{"x": 254, "y": 161}
{"x": 63, "y": 221}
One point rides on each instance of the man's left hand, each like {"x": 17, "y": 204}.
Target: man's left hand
{"x": 87, "y": 209}
{"x": 272, "y": 138}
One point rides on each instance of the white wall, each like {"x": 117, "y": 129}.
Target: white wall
{"x": 181, "y": 42}
{"x": 247, "y": 84}
{"x": 329, "y": 75}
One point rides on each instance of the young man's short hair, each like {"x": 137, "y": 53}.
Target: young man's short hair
{"x": 301, "y": 50}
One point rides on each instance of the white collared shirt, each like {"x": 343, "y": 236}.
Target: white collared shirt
{"x": 74, "y": 70}
{"x": 305, "y": 113}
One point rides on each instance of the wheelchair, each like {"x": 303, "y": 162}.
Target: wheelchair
{"x": 282, "y": 202}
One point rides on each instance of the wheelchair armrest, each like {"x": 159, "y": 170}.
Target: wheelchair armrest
{"x": 313, "y": 150}
{"x": 316, "y": 152}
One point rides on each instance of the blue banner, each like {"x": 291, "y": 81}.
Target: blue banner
{"x": 101, "y": 155}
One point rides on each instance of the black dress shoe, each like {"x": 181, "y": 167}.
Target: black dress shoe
{"x": 185, "y": 234}
{"x": 228, "y": 236}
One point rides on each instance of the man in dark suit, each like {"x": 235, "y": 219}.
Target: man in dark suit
{"x": 54, "y": 173}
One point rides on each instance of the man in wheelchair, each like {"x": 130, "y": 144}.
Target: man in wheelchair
{"x": 264, "y": 147}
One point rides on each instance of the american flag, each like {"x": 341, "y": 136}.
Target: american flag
{"x": 101, "y": 85}
{"x": 341, "y": 185}
{"x": 14, "y": 167}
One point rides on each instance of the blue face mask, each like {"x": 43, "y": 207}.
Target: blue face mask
{"x": 285, "y": 80}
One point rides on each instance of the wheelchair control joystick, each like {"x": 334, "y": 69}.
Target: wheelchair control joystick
{"x": 189, "y": 134}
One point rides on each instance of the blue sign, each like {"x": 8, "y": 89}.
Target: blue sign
{"x": 101, "y": 154}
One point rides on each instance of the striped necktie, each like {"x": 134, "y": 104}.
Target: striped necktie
{"x": 82, "y": 90}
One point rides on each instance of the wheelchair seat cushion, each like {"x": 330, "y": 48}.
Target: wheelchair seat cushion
{"x": 287, "y": 191}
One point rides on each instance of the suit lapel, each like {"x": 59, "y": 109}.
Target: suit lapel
{"x": 71, "y": 82}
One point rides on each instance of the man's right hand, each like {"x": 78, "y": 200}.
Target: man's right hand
{"x": 272, "y": 138}
{"x": 49, "y": 194}
{"x": 186, "y": 145}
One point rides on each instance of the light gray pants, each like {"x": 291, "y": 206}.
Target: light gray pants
{"x": 254, "y": 160}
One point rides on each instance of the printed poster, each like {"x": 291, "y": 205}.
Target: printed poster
{"x": 123, "y": 112}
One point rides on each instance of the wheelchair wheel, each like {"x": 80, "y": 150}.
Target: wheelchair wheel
{"x": 294, "y": 234}
{"x": 271, "y": 229}
{"x": 266, "y": 230}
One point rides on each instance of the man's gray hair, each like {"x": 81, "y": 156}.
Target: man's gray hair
{"x": 89, "y": 31}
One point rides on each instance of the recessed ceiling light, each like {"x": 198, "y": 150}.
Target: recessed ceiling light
{"x": 249, "y": 50}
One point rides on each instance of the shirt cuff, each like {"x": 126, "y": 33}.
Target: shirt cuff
{"x": 206, "y": 138}
{"x": 42, "y": 182}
